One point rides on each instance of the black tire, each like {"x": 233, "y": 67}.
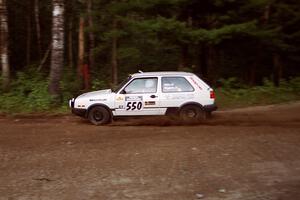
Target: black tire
{"x": 192, "y": 114}
{"x": 99, "y": 115}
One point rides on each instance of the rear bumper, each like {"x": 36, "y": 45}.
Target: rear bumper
{"x": 210, "y": 108}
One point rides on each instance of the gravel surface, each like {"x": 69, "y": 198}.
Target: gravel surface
{"x": 244, "y": 154}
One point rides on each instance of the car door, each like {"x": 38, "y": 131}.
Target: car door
{"x": 139, "y": 97}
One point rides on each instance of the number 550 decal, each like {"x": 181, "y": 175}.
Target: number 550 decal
{"x": 134, "y": 105}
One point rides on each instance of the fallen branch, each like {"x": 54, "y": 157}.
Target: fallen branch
{"x": 45, "y": 58}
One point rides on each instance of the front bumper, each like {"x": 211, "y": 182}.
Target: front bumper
{"x": 210, "y": 108}
{"x": 79, "y": 112}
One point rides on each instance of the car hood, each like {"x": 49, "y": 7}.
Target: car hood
{"x": 96, "y": 93}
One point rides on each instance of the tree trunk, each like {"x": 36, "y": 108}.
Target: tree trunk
{"x": 254, "y": 67}
{"x": 83, "y": 69}
{"x": 183, "y": 62}
{"x": 114, "y": 62}
{"x": 70, "y": 43}
{"x": 81, "y": 50}
{"x": 91, "y": 35}
{"x": 202, "y": 64}
{"x": 277, "y": 65}
{"x": 4, "y": 46}
{"x": 38, "y": 27}
{"x": 252, "y": 76}
{"x": 28, "y": 39}
{"x": 277, "y": 69}
{"x": 210, "y": 59}
{"x": 266, "y": 15}
{"x": 184, "y": 49}
{"x": 70, "y": 7}
{"x": 43, "y": 61}
{"x": 57, "y": 57}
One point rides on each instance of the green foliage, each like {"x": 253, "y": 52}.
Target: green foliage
{"x": 234, "y": 94}
{"x": 177, "y": 31}
{"x": 69, "y": 85}
{"x": 242, "y": 34}
{"x": 98, "y": 84}
{"x": 231, "y": 83}
{"x": 29, "y": 93}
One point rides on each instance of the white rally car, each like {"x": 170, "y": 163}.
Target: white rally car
{"x": 179, "y": 94}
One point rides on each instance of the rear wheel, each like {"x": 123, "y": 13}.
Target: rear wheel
{"x": 192, "y": 114}
{"x": 99, "y": 115}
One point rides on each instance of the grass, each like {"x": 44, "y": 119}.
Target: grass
{"x": 233, "y": 95}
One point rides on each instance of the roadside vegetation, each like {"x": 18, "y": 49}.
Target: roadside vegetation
{"x": 29, "y": 93}
{"x": 233, "y": 94}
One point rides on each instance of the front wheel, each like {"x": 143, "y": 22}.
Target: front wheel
{"x": 99, "y": 115}
{"x": 192, "y": 114}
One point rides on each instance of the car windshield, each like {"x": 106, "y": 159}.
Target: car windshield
{"x": 119, "y": 87}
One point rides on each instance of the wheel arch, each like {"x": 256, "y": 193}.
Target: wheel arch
{"x": 196, "y": 110}
{"x": 192, "y": 103}
{"x": 176, "y": 110}
{"x": 101, "y": 105}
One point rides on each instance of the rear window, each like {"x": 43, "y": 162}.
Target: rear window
{"x": 176, "y": 84}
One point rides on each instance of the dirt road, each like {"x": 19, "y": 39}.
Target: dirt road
{"x": 245, "y": 154}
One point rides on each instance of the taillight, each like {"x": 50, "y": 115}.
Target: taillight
{"x": 212, "y": 94}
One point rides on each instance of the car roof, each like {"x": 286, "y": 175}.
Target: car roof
{"x": 162, "y": 73}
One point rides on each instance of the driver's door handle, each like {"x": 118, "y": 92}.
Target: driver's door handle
{"x": 153, "y": 96}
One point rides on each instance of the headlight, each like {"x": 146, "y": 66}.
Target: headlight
{"x": 71, "y": 103}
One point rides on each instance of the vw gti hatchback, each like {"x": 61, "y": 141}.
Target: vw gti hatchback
{"x": 179, "y": 94}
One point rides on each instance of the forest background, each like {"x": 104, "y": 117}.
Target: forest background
{"x": 53, "y": 50}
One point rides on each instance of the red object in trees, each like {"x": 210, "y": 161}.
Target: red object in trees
{"x": 212, "y": 94}
{"x": 86, "y": 76}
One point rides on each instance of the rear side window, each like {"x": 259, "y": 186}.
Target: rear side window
{"x": 176, "y": 84}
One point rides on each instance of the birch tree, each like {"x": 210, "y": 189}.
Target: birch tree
{"x": 57, "y": 56}
{"x": 4, "y": 45}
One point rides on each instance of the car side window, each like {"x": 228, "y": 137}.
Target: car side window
{"x": 142, "y": 85}
{"x": 176, "y": 84}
